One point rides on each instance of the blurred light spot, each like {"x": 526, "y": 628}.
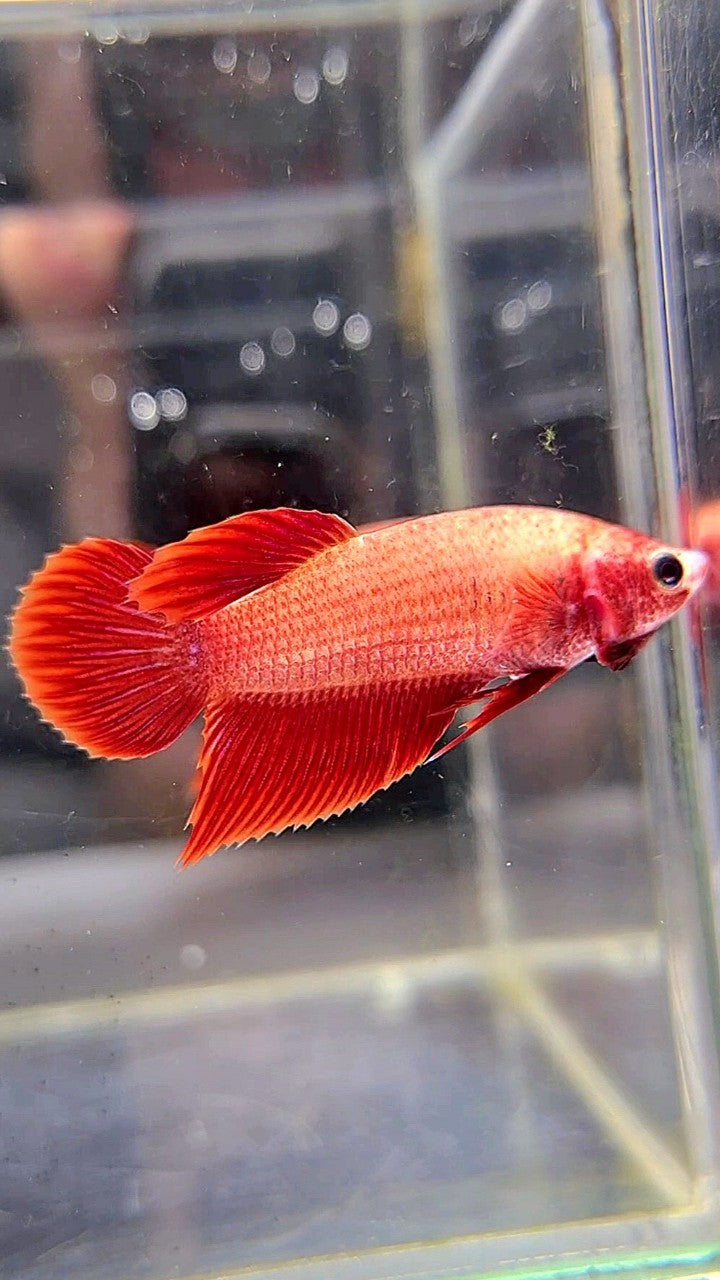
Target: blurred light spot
{"x": 393, "y": 993}
{"x": 252, "y": 358}
{"x": 283, "y": 341}
{"x": 539, "y": 296}
{"x": 69, "y": 51}
{"x": 512, "y": 316}
{"x": 335, "y": 65}
{"x": 306, "y": 85}
{"x": 259, "y": 68}
{"x": 144, "y": 412}
{"x": 183, "y": 447}
{"x": 172, "y": 404}
{"x": 105, "y": 32}
{"x": 326, "y": 317}
{"x": 357, "y": 331}
{"x": 224, "y": 56}
{"x": 193, "y": 956}
{"x": 103, "y": 388}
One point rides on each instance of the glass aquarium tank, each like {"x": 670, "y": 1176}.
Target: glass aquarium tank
{"x": 380, "y": 258}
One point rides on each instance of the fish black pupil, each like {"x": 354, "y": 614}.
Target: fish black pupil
{"x": 668, "y": 571}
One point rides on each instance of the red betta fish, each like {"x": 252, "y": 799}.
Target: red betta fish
{"x": 328, "y": 662}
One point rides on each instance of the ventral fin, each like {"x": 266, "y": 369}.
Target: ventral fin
{"x": 501, "y": 700}
{"x": 221, "y": 563}
{"x": 269, "y": 763}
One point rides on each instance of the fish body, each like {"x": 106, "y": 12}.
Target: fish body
{"x": 328, "y": 663}
{"x": 416, "y": 601}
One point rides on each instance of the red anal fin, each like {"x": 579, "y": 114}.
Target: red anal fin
{"x": 501, "y": 700}
{"x": 221, "y": 563}
{"x": 270, "y": 763}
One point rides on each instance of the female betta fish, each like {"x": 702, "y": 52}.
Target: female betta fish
{"x": 328, "y": 662}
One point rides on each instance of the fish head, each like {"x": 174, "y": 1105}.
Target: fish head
{"x": 632, "y": 584}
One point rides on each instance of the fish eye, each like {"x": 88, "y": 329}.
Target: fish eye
{"x": 668, "y": 571}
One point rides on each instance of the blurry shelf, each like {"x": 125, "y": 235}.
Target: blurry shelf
{"x": 57, "y": 17}
{"x": 385, "y": 981}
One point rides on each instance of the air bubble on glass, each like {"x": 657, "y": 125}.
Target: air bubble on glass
{"x": 224, "y": 55}
{"x": 183, "y": 446}
{"x": 512, "y": 316}
{"x": 106, "y": 32}
{"x": 335, "y": 65}
{"x": 69, "y": 52}
{"x": 134, "y": 33}
{"x": 472, "y": 27}
{"x": 326, "y": 317}
{"x": 172, "y": 404}
{"x": 144, "y": 413}
{"x": 539, "y": 296}
{"x": 103, "y": 388}
{"x": 283, "y": 341}
{"x": 259, "y": 68}
{"x": 252, "y": 358}
{"x": 357, "y": 331}
{"x": 306, "y": 85}
{"x": 193, "y": 956}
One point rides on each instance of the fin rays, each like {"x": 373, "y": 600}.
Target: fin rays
{"x": 268, "y": 763}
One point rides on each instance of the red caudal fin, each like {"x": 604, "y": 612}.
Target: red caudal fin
{"x": 216, "y": 565}
{"x": 269, "y": 763}
{"x": 112, "y": 679}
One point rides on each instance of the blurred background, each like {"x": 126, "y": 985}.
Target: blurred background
{"x": 378, "y": 259}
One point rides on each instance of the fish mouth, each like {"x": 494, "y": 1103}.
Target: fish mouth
{"x": 696, "y": 565}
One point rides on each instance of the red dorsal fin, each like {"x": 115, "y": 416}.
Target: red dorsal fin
{"x": 269, "y": 763}
{"x": 223, "y": 562}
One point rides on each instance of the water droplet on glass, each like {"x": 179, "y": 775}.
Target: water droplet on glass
{"x": 105, "y": 32}
{"x": 172, "y": 404}
{"x": 539, "y": 296}
{"x": 326, "y": 317}
{"x": 252, "y": 358}
{"x": 224, "y": 55}
{"x": 512, "y": 316}
{"x": 306, "y": 85}
{"x": 283, "y": 341}
{"x": 144, "y": 413}
{"x": 259, "y": 68}
{"x": 193, "y": 956}
{"x": 335, "y": 65}
{"x": 103, "y": 388}
{"x": 357, "y": 331}
{"x": 69, "y": 52}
